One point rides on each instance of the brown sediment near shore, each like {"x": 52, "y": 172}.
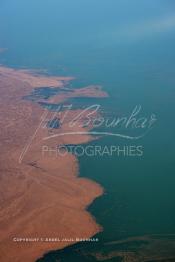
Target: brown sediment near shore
{"x": 34, "y": 78}
{"x": 156, "y": 247}
{"x": 92, "y": 91}
{"x": 41, "y": 195}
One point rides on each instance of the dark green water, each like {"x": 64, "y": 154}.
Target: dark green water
{"x": 128, "y": 48}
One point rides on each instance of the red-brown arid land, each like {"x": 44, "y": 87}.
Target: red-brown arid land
{"x": 41, "y": 196}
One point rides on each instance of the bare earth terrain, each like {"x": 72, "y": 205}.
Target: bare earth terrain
{"x": 41, "y": 196}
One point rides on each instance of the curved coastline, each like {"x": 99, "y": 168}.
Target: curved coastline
{"x": 42, "y": 196}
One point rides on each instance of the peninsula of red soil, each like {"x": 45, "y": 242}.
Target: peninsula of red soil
{"x": 41, "y": 196}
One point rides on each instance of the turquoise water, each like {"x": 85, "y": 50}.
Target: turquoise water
{"x": 128, "y": 48}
